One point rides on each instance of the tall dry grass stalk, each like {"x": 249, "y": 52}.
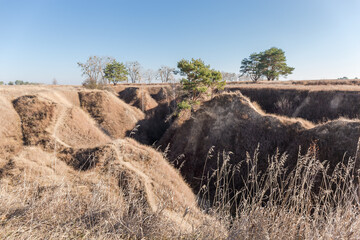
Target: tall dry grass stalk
{"x": 64, "y": 212}
{"x": 86, "y": 206}
{"x": 306, "y": 202}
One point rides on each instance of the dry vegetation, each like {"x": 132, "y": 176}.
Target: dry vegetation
{"x": 51, "y": 188}
{"x": 45, "y": 199}
{"x": 316, "y": 103}
{"x": 138, "y": 97}
{"x": 277, "y": 204}
{"x": 231, "y": 122}
{"x": 67, "y": 170}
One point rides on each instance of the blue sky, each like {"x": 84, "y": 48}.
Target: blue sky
{"x": 42, "y": 40}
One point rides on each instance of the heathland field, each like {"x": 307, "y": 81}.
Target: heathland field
{"x": 260, "y": 160}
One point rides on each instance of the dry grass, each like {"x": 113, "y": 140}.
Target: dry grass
{"x": 63, "y": 211}
{"x": 299, "y": 196}
{"x": 312, "y": 102}
{"x": 138, "y": 97}
{"x": 87, "y": 186}
{"x": 73, "y": 209}
{"x": 275, "y": 204}
{"x": 328, "y": 82}
{"x": 306, "y": 203}
{"x": 113, "y": 115}
{"x": 317, "y": 85}
{"x": 131, "y": 192}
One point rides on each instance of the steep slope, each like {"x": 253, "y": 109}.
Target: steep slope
{"x": 113, "y": 115}
{"x": 45, "y": 123}
{"x": 138, "y": 97}
{"x": 304, "y": 102}
{"x": 231, "y": 123}
{"x": 67, "y": 177}
{"x": 335, "y": 141}
{"x": 158, "y": 104}
{"x": 10, "y": 129}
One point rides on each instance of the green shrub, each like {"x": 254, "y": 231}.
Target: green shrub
{"x": 184, "y": 105}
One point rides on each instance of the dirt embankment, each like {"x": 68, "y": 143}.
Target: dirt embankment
{"x": 158, "y": 104}
{"x": 231, "y": 122}
{"x": 61, "y": 141}
{"x": 113, "y": 115}
{"x": 313, "y": 103}
{"x": 138, "y": 97}
{"x": 36, "y": 115}
{"x": 10, "y": 129}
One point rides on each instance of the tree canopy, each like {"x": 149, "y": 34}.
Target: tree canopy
{"x": 270, "y": 64}
{"x": 115, "y": 72}
{"x": 134, "y": 70}
{"x": 229, "y": 77}
{"x": 199, "y": 78}
{"x": 93, "y": 70}
{"x": 252, "y": 67}
{"x": 165, "y": 74}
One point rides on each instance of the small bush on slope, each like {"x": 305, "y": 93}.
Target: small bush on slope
{"x": 231, "y": 122}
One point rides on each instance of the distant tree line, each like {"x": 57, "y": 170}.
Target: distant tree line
{"x": 346, "y": 78}
{"x": 98, "y": 71}
{"x": 197, "y": 79}
{"x": 18, "y": 82}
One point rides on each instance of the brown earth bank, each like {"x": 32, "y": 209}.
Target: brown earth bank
{"x": 113, "y": 115}
{"x": 138, "y": 97}
{"x": 313, "y": 100}
{"x": 232, "y": 123}
{"x": 66, "y": 171}
{"x": 316, "y": 101}
{"x": 69, "y": 170}
{"x": 157, "y": 102}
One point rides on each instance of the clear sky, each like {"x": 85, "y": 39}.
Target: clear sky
{"x": 42, "y": 40}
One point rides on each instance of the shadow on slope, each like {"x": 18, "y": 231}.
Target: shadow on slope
{"x": 313, "y": 105}
{"x": 117, "y": 188}
{"x": 158, "y": 104}
{"x": 138, "y": 97}
{"x": 113, "y": 115}
{"x": 152, "y": 128}
{"x": 230, "y": 123}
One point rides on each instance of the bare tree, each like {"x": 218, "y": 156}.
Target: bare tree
{"x": 229, "y": 77}
{"x": 244, "y": 78}
{"x": 149, "y": 75}
{"x": 54, "y": 81}
{"x": 166, "y": 74}
{"x": 134, "y": 70}
{"x": 93, "y": 70}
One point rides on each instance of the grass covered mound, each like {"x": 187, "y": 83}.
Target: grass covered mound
{"x": 230, "y": 122}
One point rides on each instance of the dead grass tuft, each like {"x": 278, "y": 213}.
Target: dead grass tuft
{"x": 278, "y": 204}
